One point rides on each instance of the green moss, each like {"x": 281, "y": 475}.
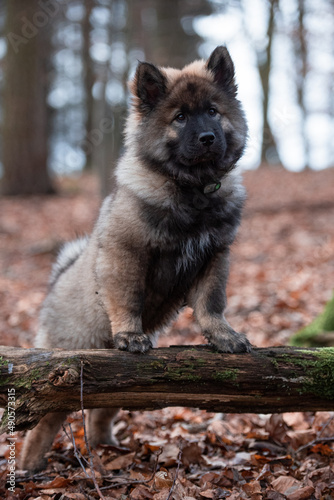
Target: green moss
{"x": 70, "y": 361}
{"x": 305, "y": 338}
{"x": 4, "y": 421}
{"x": 192, "y": 378}
{"x": 274, "y": 362}
{"x": 186, "y": 373}
{"x": 182, "y": 376}
{"x": 28, "y": 380}
{"x": 323, "y": 352}
{"x": 318, "y": 371}
{"x": 153, "y": 365}
{"x": 323, "y": 323}
{"x": 3, "y": 362}
{"x": 156, "y": 365}
{"x": 225, "y": 375}
{"x": 200, "y": 362}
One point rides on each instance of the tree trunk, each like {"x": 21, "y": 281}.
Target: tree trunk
{"x": 25, "y": 131}
{"x": 88, "y": 73}
{"x": 159, "y": 29}
{"x": 302, "y": 65}
{"x": 269, "y": 380}
{"x": 269, "y": 152}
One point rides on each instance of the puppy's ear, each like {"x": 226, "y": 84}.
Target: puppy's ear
{"x": 222, "y": 67}
{"x": 149, "y": 85}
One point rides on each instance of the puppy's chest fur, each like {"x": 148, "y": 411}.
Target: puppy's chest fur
{"x": 183, "y": 241}
{"x": 170, "y": 275}
{"x": 188, "y": 231}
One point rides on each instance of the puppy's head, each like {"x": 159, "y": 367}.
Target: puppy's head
{"x": 188, "y": 124}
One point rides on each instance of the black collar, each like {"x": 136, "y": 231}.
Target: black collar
{"x": 204, "y": 189}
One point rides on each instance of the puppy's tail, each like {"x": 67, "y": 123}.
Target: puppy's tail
{"x": 68, "y": 254}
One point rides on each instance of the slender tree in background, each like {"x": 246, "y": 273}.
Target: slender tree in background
{"x": 269, "y": 152}
{"x": 88, "y": 71}
{"x": 25, "y": 127}
{"x": 300, "y": 47}
{"x": 102, "y": 149}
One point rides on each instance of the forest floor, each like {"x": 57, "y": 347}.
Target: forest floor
{"x": 282, "y": 270}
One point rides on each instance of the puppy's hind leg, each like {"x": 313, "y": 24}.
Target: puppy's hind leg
{"x": 39, "y": 440}
{"x": 100, "y": 422}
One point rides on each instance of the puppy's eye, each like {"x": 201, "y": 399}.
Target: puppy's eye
{"x": 212, "y": 112}
{"x": 180, "y": 118}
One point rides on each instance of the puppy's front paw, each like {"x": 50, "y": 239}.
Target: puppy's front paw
{"x": 225, "y": 339}
{"x": 132, "y": 342}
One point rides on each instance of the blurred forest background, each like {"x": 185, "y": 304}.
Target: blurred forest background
{"x": 64, "y": 67}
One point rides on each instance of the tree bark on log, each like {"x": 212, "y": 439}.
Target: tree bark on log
{"x": 270, "y": 380}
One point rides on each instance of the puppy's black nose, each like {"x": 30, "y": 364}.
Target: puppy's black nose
{"x": 206, "y": 138}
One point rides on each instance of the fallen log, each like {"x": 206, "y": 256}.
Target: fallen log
{"x": 270, "y": 380}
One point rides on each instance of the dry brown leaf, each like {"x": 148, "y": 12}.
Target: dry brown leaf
{"x": 154, "y": 446}
{"x": 301, "y": 493}
{"x": 169, "y": 455}
{"x": 121, "y": 462}
{"x": 141, "y": 493}
{"x": 283, "y": 483}
{"x": 324, "y": 422}
{"x": 297, "y": 420}
{"x": 301, "y": 437}
{"x": 57, "y": 482}
{"x": 252, "y": 488}
{"x": 276, "y": 427}
{"x": 28, "y": 487}
{"x": 214, "y": 462}
{"x": 75, "y": 496}
{"x": 138, "y": 476}
{"x": 326, "y": 474}
{"x": 163, "y": 479}
{"x": 235, "y": 495}
{"x": 161, "y": 495}
{"x": 274, "y": 495}
{"x": 209, "y": 477}
{"x": 192, "y": 454}
{"x": 322, "y": 449}
{"x": 208, "y": 494}
{"x": 221, "y": 429}
{"x": 52, "y": 491}
{"x": 265, "y": 472}
{"x": 258, "y": 460}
